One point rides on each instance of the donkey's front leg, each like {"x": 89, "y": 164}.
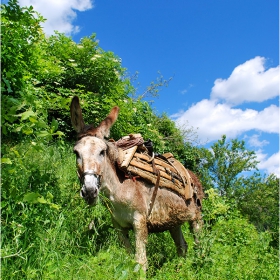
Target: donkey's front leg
{"x": 141, "y": 237}
{"x": 123, "y": 236}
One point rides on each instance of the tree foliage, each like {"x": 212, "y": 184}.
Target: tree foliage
{"x": 225, "y": 162}
{"x": 21, "y": 31}
{"x": 231, "y": 169}
{"x": 259, "y": 201}
{"x": 55, "y": 69}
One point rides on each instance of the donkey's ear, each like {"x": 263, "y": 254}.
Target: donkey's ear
{"x": 103, "y": 130}
{"x": 76, "y": 115}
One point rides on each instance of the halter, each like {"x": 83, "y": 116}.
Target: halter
{"x": 91, "y": 173}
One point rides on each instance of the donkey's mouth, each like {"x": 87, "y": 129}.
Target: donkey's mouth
{"x": 90, "y": 195}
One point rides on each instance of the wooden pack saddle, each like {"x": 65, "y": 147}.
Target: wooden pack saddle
{"x": 135, "y": 159}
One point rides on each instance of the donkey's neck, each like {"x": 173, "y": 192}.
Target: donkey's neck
{"x": 110, "y": 181}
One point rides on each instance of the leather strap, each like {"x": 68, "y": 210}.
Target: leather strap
{"x": 155, "y": 190}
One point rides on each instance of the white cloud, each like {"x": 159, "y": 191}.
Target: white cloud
{"x": 255, "y": 142}
{"x": 60, "y": 14}
{"x": 215, "y": 119}
{"x": 269, "y": 164}
{"x": 249, "y": 82}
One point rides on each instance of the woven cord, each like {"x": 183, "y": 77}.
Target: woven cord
{"x": 129, "y": 143}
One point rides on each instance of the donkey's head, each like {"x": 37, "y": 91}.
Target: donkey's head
{"x": 90, "y": 150}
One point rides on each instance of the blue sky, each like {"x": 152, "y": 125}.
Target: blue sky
{"x": 223, "y": 56}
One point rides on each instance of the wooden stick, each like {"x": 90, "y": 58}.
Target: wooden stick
{"x": 152, "y": 179}
{"x": 149, "y": 168}
{"x": 157, "y": 161}
{"x": 128, "y": 155}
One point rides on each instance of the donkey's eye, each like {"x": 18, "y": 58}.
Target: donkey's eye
{"x": 78, "y": 159}
{"x": 76, "y": 153}
{"x": 102, "y": 153}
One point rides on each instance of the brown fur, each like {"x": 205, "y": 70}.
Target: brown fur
{"x": 129, "y": 199}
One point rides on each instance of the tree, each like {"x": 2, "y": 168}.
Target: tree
{"x": 40, "y": 75}
{"x": 20, "y": 30}
{"x": 223, "y": 164}
{"x": 52, "y": 69}
{"x": 255, "y": 196}
{"x": 259, "y": 201}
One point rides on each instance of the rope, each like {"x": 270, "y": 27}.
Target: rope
{"x": 129, "y": 143}
{"x": 154, "y": 193}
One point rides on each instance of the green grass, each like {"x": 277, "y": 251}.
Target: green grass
{"x": 51, "y": 240}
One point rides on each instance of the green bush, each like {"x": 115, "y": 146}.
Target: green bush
{"x": 46, "y": 235}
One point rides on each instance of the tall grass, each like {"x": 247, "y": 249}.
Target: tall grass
{"x": 46, "y": 235}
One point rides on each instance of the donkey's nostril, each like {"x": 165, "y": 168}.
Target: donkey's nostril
{"x": 95, "y": 193}
{"x": 82, "y": 193}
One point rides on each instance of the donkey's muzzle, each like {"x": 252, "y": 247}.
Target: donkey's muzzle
{"x": 89, "y": 195}
{"x": 90, "y": 187}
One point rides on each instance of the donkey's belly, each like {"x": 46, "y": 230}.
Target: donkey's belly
{"x": 169, "y": 212}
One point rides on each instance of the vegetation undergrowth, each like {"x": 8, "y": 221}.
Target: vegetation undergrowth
{"x": 47, "y": 236}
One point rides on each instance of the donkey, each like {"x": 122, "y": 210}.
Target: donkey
{"x": 130, "y": 199}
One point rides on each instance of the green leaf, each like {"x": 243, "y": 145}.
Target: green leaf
{"x": 33, "y": 120}
{"x": 27, "y": 131}
{"x": 37, "y": 198}
{"x": 27, "y": 114}
{"x": 19, "y": 128}
{"x": 43, "y": 133}
{"x": 6, "y": 161}
{"x": 42, "y": 124}
{"x": 54, "y": 125}
{"x": 7, "y": 83}
{"x": 41, "y": 199}
{"x": 34, "y": 198}
{"x": 31, "y": 197}
{"x": 54, "y": 206}
{"x": 49, "y": 196}
{"x": 59, "y": 133}
{"x": 3, "y": 203}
